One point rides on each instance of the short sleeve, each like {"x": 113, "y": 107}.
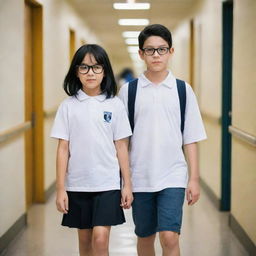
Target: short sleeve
{"x": 122, "y": 127}
{"x": 194, "y": 130}
{"x": 60, "y": 129}
{"x": 123, "y": 95}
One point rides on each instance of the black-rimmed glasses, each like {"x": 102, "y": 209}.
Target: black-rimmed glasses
{"x": 84, "y": 69}
{"x": 160, "y": 51}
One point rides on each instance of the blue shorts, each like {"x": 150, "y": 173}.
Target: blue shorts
{"x": 158, "y": 211}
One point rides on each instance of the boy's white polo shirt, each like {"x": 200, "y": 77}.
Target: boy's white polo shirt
{"x": 91, "y": 124}
{"x": 156, "y": 157}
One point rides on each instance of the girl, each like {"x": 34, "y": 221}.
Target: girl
{"x": 93, "y": 130}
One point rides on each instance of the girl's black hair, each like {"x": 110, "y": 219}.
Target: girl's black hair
{"x": 72, "y": 83}
{"x": 155, "y": 30}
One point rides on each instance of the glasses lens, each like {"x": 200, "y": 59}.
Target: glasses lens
{"x": 149, "y": 51}
{"x": 83, "y": 69}
{"x": 162, "y": 50}
{"x": 97, "y": 69}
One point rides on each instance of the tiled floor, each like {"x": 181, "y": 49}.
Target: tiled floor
{"x": 205, "y": 233}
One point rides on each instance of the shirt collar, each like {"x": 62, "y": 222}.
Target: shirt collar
{"x": 81, "y": 95}
{"x": 169, "y": 81}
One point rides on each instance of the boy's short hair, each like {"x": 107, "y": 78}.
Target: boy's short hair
{"x": 155, "y": 30}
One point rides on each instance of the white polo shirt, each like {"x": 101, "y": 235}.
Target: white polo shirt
{"x": 156, "y": 157}
{"x": 91, "y": 124}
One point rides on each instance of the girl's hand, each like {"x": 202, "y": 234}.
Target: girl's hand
{"x": 193, "y": 192}
{"x": 127, "y": 197}
{"x": 62, "y": 201}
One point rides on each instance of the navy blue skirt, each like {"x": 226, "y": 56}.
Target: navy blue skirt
{"x": 89, "y": 209}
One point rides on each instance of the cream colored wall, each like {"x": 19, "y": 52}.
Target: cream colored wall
{"x": 12, "y": 200}
{"x": 59, "y": 17}
{"x": 180, "y": 61}
{"x": 207, "y": 85}
{"x": 243, "y": 206}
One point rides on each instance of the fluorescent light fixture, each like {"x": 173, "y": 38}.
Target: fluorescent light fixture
{"x": 131, "y": 41}
{"x": 133, "y": 22}
{"x": 131, "y": 6}
{"x": 127, "y": 34}
{"x": 133, "y": 49}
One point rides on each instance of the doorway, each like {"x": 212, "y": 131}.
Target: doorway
{"x": 34, "y": 137}
{"x": 72, "y": 44}
{"x": 227, "y": 46}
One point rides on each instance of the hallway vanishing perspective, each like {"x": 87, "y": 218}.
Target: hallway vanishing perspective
{"x": 214, "y": 51}
{"x": 205, "y": 232}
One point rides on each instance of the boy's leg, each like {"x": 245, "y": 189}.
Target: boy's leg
{"x": 144, "y": 213}
{"x": 170, "y": 243}
{"x": 170, "y": 202}
{"x": 85, "y": 242}
{"x": 100, "y": 240}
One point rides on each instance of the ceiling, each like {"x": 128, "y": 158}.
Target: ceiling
{"x": 102, "y": 20}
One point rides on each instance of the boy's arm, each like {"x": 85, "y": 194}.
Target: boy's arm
{"x": 193, "y": 189}
{"x": 61, "y": 169}
{"x": 123, "y": 158}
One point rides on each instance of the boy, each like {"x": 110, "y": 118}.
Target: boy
{"x": 159, "y": 168}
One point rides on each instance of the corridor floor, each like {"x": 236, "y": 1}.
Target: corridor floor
{"x": 205, "y": 233}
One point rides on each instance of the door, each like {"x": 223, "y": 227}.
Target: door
{"x": 29, "y": 157}
{"x": 227, "y": 39}
{"x": 33, "y": 62}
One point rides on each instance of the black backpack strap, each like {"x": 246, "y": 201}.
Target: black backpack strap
{"x": 132, "y": 89}
{"x": 181, "y": 86}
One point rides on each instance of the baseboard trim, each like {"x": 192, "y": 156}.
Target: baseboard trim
{"x": 242, "y": 235}
{"x": 50, "y": 191}
{"x": 215, "y": 200}
{"x": 12, "y": 232}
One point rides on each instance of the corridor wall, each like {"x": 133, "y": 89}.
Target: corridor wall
{"x": 208, "y": 88}
{"x": 12, "y": 183}
{"x": 58, "y": 19}
{"x": 243, "y": 207}
{"x": 206, "y": 82}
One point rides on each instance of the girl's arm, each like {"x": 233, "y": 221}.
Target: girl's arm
{"x": 122, "y": 155}
{"x": 193, "y": 189}
{"x": 62, "y": 163}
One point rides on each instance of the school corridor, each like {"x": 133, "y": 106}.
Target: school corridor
{"x": 205, "y": 232}
{"x": 214, "y": 51}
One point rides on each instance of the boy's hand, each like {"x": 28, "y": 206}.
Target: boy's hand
{"x": 127, "y": 197}
{"x": 193, "y": 192}
{"x": 62, "y": 201}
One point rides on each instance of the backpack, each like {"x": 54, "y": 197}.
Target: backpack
{"x": 132, "y": 89}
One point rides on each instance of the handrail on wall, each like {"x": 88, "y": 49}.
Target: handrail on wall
{"x": 244, "y": 136}
{"x": 18, "y": 129}
{"x": 7, "y": 134}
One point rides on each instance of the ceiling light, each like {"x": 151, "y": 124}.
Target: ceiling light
{"x": 132, "y": 34}
{"x": 131, "y": 6}
{"x": 131, "y": 41}
{"x": 133, "y": 22}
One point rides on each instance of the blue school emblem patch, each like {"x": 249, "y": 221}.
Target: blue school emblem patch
{"x": 107, "y": 116}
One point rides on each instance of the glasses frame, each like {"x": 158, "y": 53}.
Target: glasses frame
{"x": 156, "y": 49}
{"x": 90, "y": 67}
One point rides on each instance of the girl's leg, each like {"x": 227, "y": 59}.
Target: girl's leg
{"x": 145, "y": 246}
{"x": 100, "y": 240}
{"x": 85, "y": 242}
